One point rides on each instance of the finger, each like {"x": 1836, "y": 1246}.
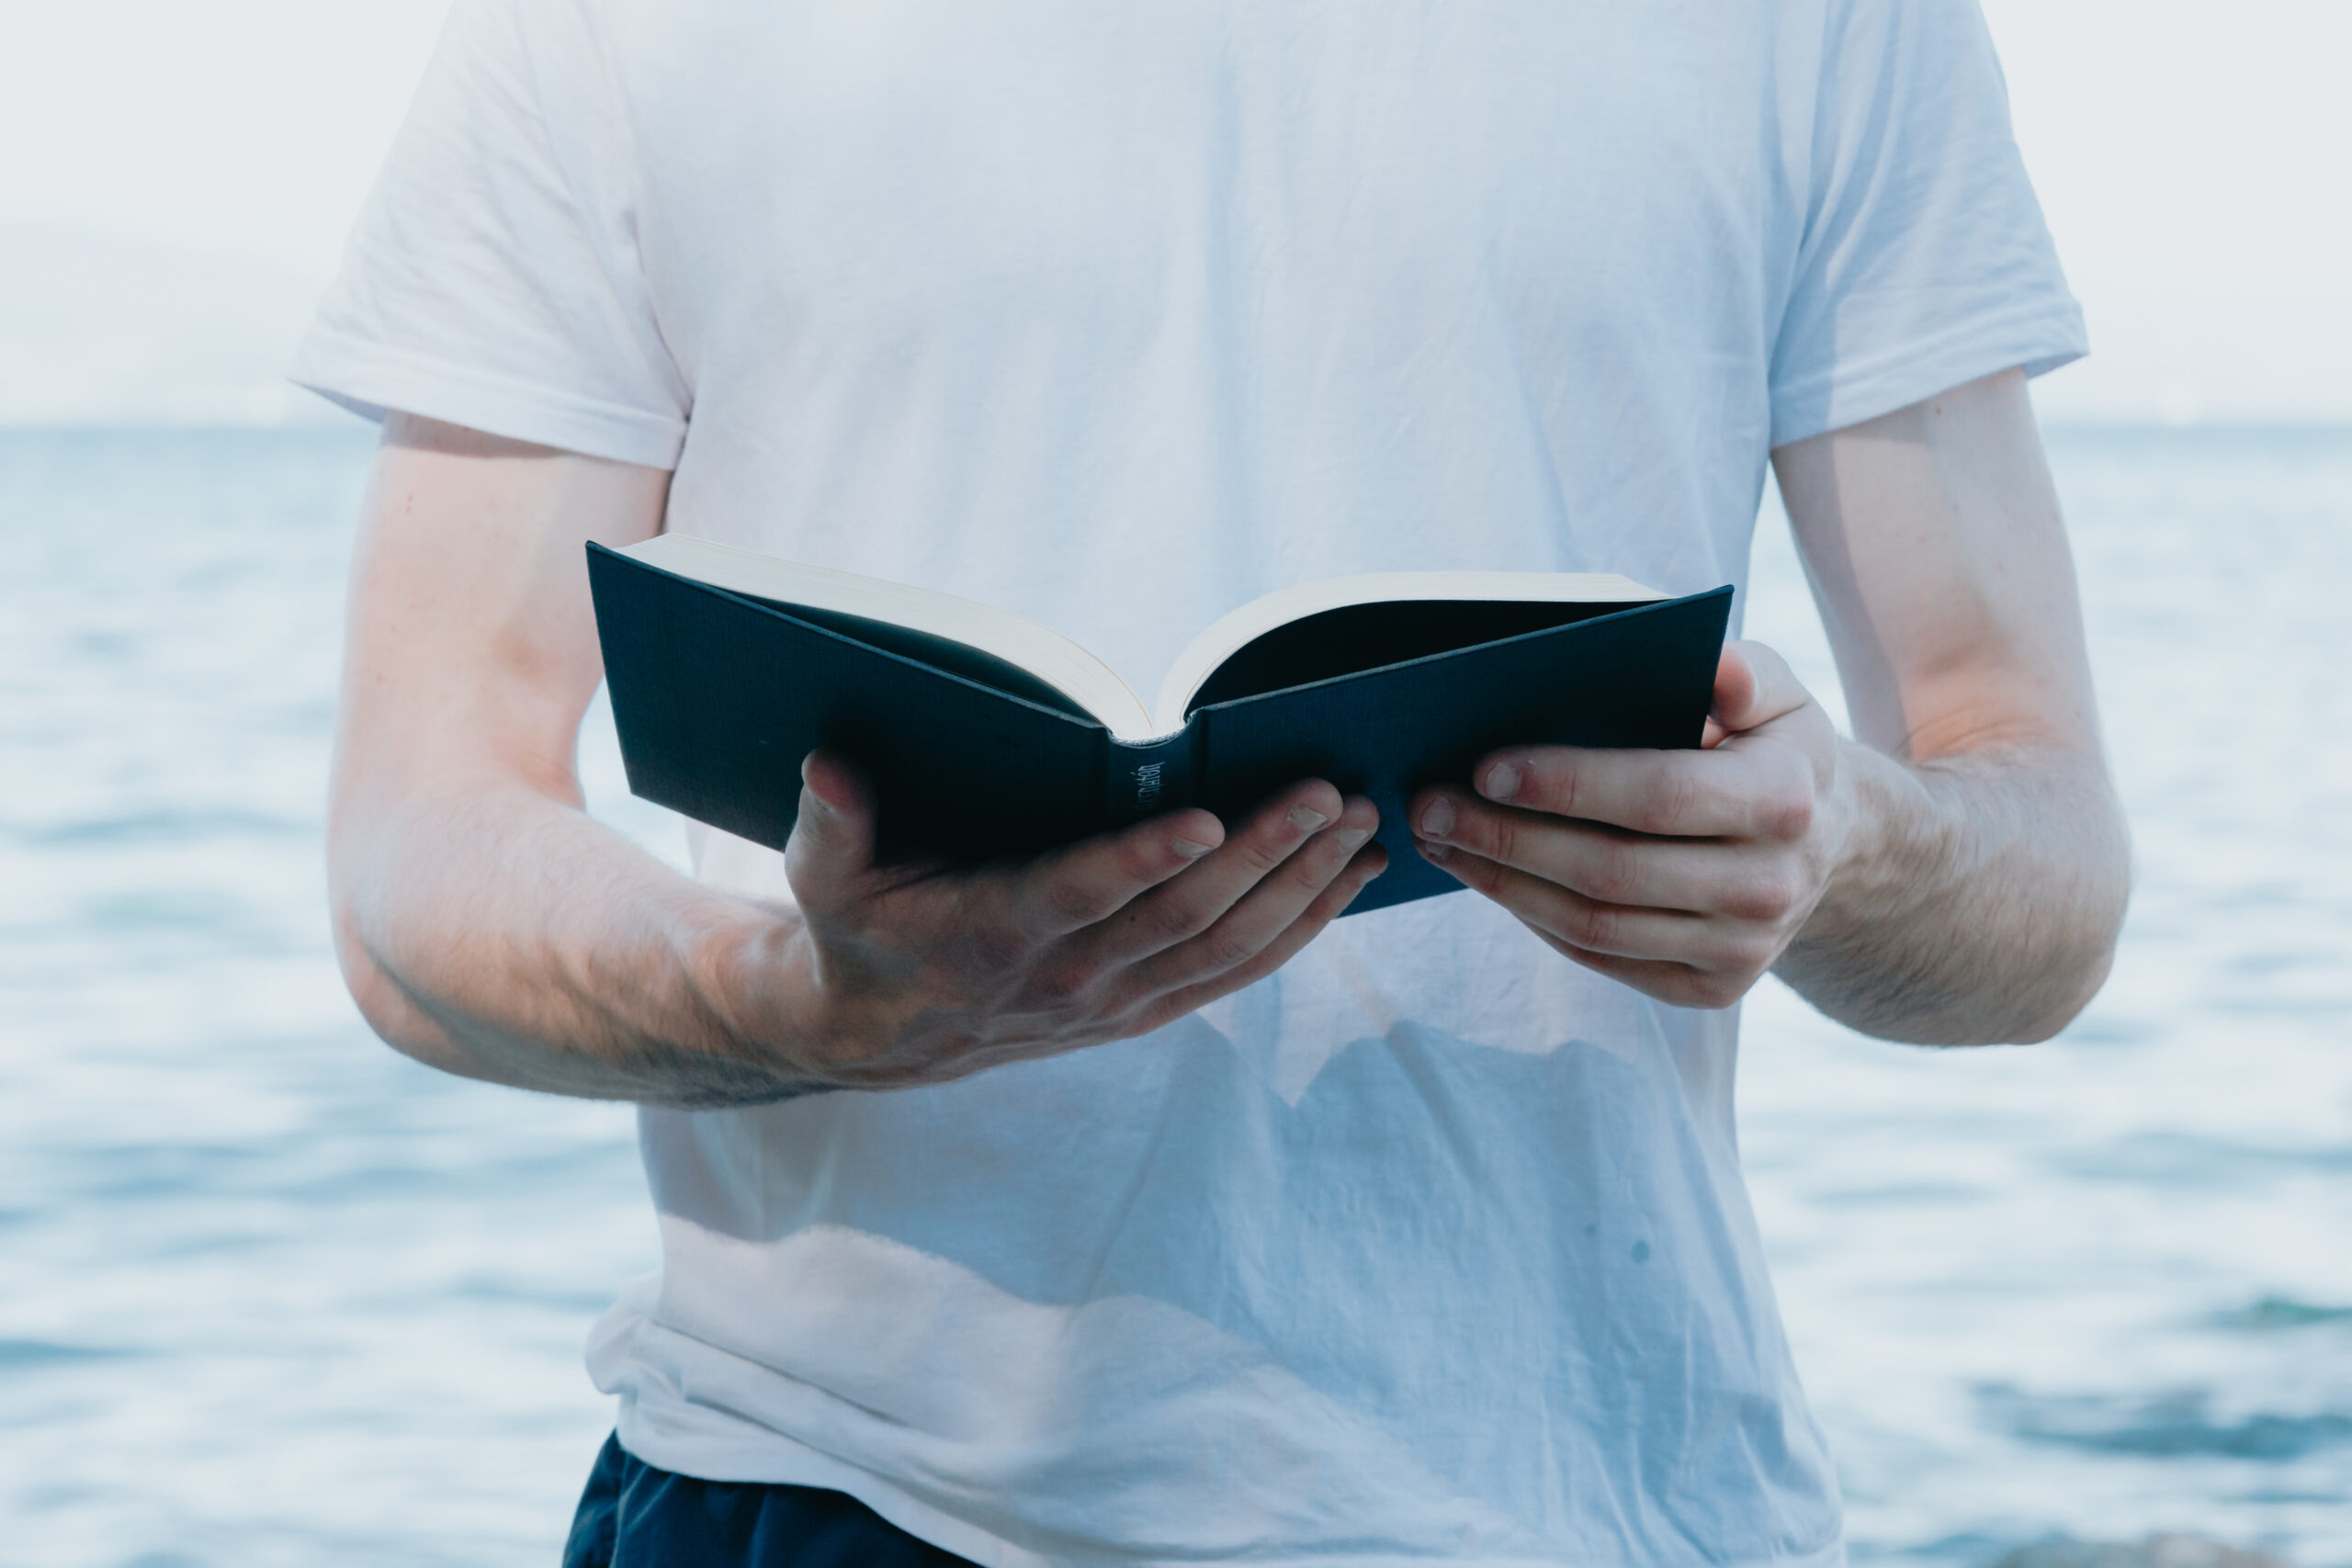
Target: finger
{"x": 1261, "y": 915}
{"x": 832, "y": 833}
{"x": 1664, "y": 935}
{"x": 1328, "y": 906}
{"x": 1740, "y": 793}
{"x": 1677, "y": 985}
{"x": 1191, "y": 903}
{"x": 1068, "y": 890}
{"x": 1754, "y": 686}
{"x": 1743, "y": 880}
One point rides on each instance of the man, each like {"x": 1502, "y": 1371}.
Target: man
{"x": 1121, "y": 1207}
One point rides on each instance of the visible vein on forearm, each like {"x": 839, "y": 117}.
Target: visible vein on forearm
{"x": 551, "y": 951}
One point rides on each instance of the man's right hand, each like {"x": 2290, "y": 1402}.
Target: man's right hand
{"x": 489, "y": 928}
{"x": 898, "y": 975}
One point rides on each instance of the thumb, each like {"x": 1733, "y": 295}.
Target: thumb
{"x": 1753, "y": 686}
{"x": 833, "y": 836}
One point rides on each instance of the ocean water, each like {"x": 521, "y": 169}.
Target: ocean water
{"x": 270, "y": 1294}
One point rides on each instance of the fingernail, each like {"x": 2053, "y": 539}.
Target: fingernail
{"x": 1502, "y": 781}
{"x": 1351, "y": 839}
{"x": 1306, "y": 820}
{"x": 1433, "y": 851}
{"x": 1188, "y": 849}
{"x": 1438, "y": 820}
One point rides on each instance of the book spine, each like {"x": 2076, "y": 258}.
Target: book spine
{"x": 1144, "y": 780}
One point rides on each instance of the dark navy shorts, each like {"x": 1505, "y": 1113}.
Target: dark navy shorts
{"x": 633, "y": 1516}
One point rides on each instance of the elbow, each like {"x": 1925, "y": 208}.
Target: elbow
{"x": 386, "y": 1006}
{"x": 2076, "y": 968}
{"x": 2027, "y": 1003}
{"x": 2010, "y": 955}
{"x": 2035, "y": 977}
{"x": 362, "y": 904}
{"x": 2074, "y": 989}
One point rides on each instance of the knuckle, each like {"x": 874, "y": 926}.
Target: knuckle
{"x": 1615, "y": 874}
{"x": 1138, "y": 851}
{"x": 1595, "y": 925}
{"x": 1788, "y": 813}
{"x": 1766, "y": 895}
{"x": 996, "y": 947}
{"x": 1222, "y": 949}
{"x": 1547, "y": 783}
{"x": 1310, "y": 872}
{"x": 1497, "y": 835}
{"x": 1261, "y": 852}
{"x": 1671, "y": 802}
{"x": 1062, "y": 984}
{"x": 1077, "y": 903}
{"x": 1475, "y": 871}
{"x": 1176, "y": 920}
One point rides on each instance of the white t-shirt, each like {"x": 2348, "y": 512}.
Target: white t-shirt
{"x": 1431, "y": 1246}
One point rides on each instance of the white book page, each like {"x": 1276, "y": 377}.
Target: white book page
{"x": 1044, "y": 652}
{"x": 1071, "y": 668}
{"x": 1230, "y": 633}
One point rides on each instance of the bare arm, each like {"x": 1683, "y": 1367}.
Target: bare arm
{"x": 1954, "y": 875}
{"x": 1983, "y": 888}
{"x": 486, "y": 926}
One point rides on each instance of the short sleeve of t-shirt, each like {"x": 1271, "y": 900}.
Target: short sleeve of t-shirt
{"x": 1923, "y": 260}
{"x": 494, "y": 278}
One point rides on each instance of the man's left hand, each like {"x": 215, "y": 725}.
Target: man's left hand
{"x": 1685, "y": 875}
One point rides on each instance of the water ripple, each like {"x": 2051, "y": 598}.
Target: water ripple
{"x": 2176, "y": 1426}
{"x": 2094, "y": 1288}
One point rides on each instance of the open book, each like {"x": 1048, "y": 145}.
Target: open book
{"x": 987, "y": 734}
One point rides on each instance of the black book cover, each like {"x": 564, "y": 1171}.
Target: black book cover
{"x": 718, "y": 697}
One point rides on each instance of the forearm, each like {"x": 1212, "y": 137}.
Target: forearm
{"x": 488, "y": 928}
{"x": 499, "y": 933}
{"x": 1977, "y": 900}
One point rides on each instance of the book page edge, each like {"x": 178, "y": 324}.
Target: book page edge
{"x": 1075, "y": 672}
{"x": 1235, "y": 630}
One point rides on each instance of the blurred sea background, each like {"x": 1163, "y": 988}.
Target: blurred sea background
{"x": 271, "y": 1294}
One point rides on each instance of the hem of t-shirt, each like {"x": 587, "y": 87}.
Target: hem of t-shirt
{"x": 2036, "y": 339}
{"x": 782, "y": 1461}
{"x": 370, "y": 379}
